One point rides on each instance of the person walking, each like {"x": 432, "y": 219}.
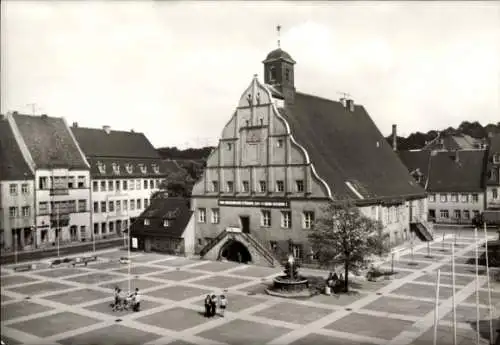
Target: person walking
{"x": 207, "y": 306}
{"x": 213, "y": 305}
{"x": 136, "y": 301}
{"x": 222, "y": 304}
{"x": 117, "y": 298}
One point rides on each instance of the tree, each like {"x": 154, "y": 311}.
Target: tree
{"x": 342, "y": 235}
{"x": 178, "y": 183}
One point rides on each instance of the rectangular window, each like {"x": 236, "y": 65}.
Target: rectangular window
{"x": 118, "y": 205}
{"x": 300, "y": 185}
{"x": 138, "y": 202}
{"x": 443, "y": 198}
{"x": 146, "y": 203}
{"x": 466, "y": 214}
{"x": 454, "y": 197}
{"x": 13, "y": 212}
{"x": 464, "y": 197}
{"x": 42, "y": 183}
{"x": 145, "y": 184}
{"x": 475, "y": 213}
{"x": 166, "y": 223}
{"x": 110, "y": 186}
{"x": 262, "y": 186}
{"x": 96, "y": 207}
{"x": 131, "y": 184}
{"x": 494, "y": 193}
{"x": 432, "y": 197}
{"x": 138, "y": 184}
{"x": 26, "y": 211}
{"x": 111, "y": 227}
{"x": 246, "y": 186}
{"x": 96, "y": 228}
{"x": 125, "y": 205}
{"x": 215, "y": 186}
{"x": 215, "y": 216}
{"x": 125, "y": 185}
{"x": 286, "y": 219}
{"x": 307, "y": 219}
{"x": 111, "y": 206}
{"x": 280, "y": 186}
{"x": 132, "y": 205}
{"x": 475, "y": 197}
{"x": 117, "y": 185}
{"x": 95, "y": 186}
{"x": 229, "y": 186}
{"x": 71, "y": 182}
{"x": 83, "y": 231}
{"x": 457, "y": 214}
{"x": 151, "y": 184}
{"x": 157, "y": 183}
{"x": 265, "y": 218}
{"x": 444, "y": 214}
{"x": 81, "y": 181}
{"x": 103, "y": 206}
{"x": 103, "y": 186}
{"x": 82, "y": 205}
{"x": 103, "y": 228}
{"x": 43, "y": 207}
{"x": 13, "y": 189}
{"x": 24, "y": 188}
{"x": 202, "y": 215}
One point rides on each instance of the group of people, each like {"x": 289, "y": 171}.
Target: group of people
{"x": 123, "y": 302}
{"x": 332, "y": 281}
{"x": 211, "y": 305}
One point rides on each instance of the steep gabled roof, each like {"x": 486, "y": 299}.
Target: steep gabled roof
{"x": 99, "y": 143}
{"x": 417, "y": 160}
{"x": 12, "y": 163}
{"x": 129, "y": 167}
{"x": 175, "y": 209}
{"x": 347, "y": 147}
{"x": 49, "y": 142}
{"x": 445, "y": 173}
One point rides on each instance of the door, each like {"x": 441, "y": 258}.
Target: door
{"x": 147, "y": 245}
{"x": 245, "y": 224}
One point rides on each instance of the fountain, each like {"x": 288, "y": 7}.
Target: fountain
{"x": 291, "y": 284}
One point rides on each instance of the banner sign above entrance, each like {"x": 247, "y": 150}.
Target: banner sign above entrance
{"x": 255, "y": 203}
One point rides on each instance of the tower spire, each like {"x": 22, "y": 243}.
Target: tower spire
{"x": 278, "y": 29}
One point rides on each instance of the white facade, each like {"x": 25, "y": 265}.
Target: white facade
{"x": 116, "y": 202}
{"x": 17, "y": 215}
{"x": 62, "y": 200}
{"x": 458, "y": 208}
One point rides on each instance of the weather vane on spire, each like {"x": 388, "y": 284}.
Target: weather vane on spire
{"x": 278, "y": 28}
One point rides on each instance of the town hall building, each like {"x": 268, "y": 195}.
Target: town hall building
{"x": 281, "y": 157}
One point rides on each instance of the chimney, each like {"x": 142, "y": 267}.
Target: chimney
{"x": 44, "y": 116}
{"x": 132, "y": 131}
{"x": 14, "y": 112}
{"x": 457, "y": 158}
{"x": 75, "y": 124}
{"x": 107, "y": 129}
{"x": 395, "y": 137}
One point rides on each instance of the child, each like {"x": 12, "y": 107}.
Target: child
{"x": 222, "y": 304}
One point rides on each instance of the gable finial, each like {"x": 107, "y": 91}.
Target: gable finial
{"x": 278, "y": 28}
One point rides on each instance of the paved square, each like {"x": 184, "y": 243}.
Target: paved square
{"x": 137, "y": 270}
{"x": 104, "y": 307}
{"x": 217, "y": 266}
{"x": 177, "y": 262}
{"x": 338, "y": 300}
{"x": 467, "y": 314}
{"x": 113, "y": 335}
{"x": 408, "y": 264}
{"x": 421, "y": 257}
{"x": 141, "y": 284}
{"x": 40, "y": 288}
{"x": 244, "y": 332}
{"x": 15, "y": 280}
{"x": 5, "y": 298}
{"x": 178, "y": 292}
{"x": 20, "y": 309}
{"x": 77, "y": 296}
{"x": 400, "y": 306}
{"x": 484, "y": 298}
{"x": 445, "y": 337}
{"x": 463, "y": 269}
{"x": 176, "y": 275}
{"x": 94, "y": 278}
{"x": 176, "y": 319}
{"x": 423, "y": 291}
{"x": 257, "y": 271}
{"x": 445, "y": 279}
{"x": 145, "y": 258}
{"x": 54, "y": 324}
{"x": 318, "y": 339}
{"x": 61, "y": 272}
{"x": 235, "y": 302}
{"x": 373, "y": 326}
{"x": 221, "y": 282}
{"x": 291, "y": 312}
{"x": 105, "y": 265}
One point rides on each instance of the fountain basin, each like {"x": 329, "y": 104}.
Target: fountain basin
{"x": 289, "y": 288}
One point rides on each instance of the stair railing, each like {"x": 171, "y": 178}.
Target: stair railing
{"x": 213, "y": 242}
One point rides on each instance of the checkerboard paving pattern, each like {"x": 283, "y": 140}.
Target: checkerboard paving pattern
{"x": 71, "y": 305}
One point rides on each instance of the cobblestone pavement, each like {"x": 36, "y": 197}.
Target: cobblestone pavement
{"x": 71, "y": 305}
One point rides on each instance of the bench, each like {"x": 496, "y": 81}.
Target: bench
{"x": 84, "y": 260}
{"x": 23, "y": 268}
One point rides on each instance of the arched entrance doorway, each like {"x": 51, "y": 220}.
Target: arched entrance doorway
{"x": 235, "y": 251}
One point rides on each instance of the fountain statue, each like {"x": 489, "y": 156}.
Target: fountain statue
{"x": 291, "y": 284}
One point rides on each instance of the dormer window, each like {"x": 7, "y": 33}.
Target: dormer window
{"x": 102, "y": 167}
{"x": 156, "y": 168}
{"x": 496, "y": 158}
{"x": 116, "y": 168}
{"x": 146, "y": 221}
{"x": 167, "y": 223}
{"x": 129, "y": 168}
{"x": 143, "y": 168}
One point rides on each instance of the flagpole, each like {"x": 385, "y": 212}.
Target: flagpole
{"x": 453, "y": 295}
{"x": 488, "y": 282}
{"x": 58, "y": 232}
{"x": 436, "y": 308}
{"x": 477, "y": 289}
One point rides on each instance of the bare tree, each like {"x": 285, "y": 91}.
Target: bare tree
{"x": 342, "y": 235}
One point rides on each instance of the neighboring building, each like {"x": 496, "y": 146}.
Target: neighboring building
{"x": 61, "y": 178}
{"x": 282, "y": 156}
{"x": 453, "y": 181}
{"x": 125, "y": 171}
{"x": 492, "y": 179}
{"x": 449, "y": 142}
{"x": 166, "y": 225}
{"x": 17, "y": 214}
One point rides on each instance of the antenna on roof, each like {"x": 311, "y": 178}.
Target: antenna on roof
{"x": 33, "y": 107}
{"x": 344, "y": 94}
{"x": 278, "y": 29}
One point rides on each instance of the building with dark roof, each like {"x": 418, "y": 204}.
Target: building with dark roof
{"x": 17, "y": 216}
{"x": 492, "y": 180}
{"x": 166, "y": 225}
{"x": 61, "y": 178}
{"x": 125, "y": 170}
{"x": 453, "y": 142}
{"x": 282, "y": 155}
{"x": 453, "y": 180}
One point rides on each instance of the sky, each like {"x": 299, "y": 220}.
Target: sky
{"x": 176, "y": 70}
